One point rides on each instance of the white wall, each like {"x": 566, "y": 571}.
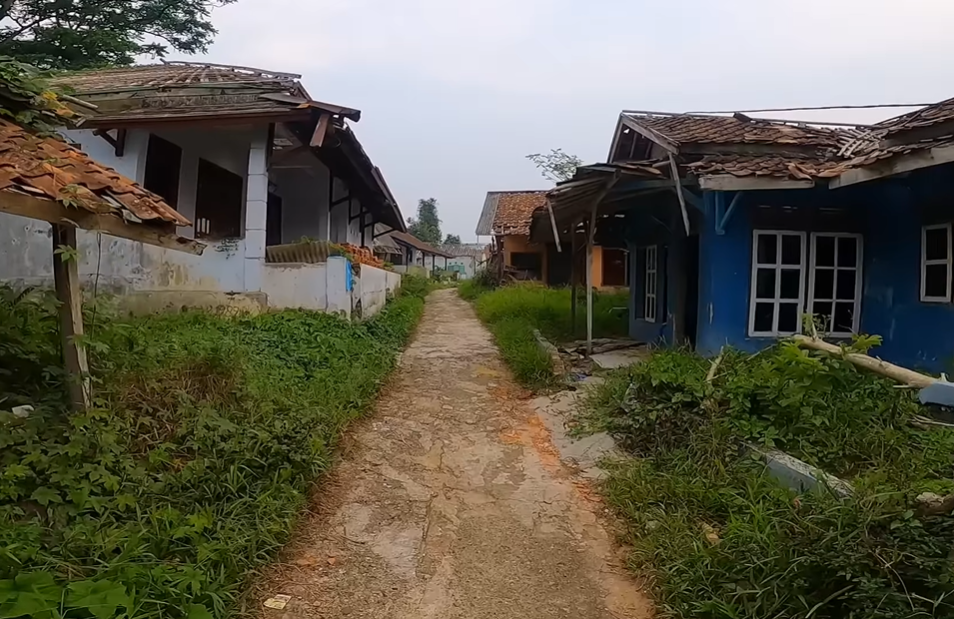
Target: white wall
{"x": 296, "y": 286}
{"x": 26, "y": 258}
{"x": 131, "y": 164}
{"x": 467, "y": 262}
{"x": 373, "y": 286}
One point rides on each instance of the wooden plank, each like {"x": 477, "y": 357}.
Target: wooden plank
{"x": 553, "y": 224}
{"x": 321, "y": 130}
{"x": 655, "y": 136}
{"x": 728, "y": 182}
{"x": 682, "y": 199}
{"x": 66, "y": 278}
{"x": 573, "y": 276}
{"x": 590, "y": 236}
{"x": 56, "y": 213}
{"x": 895, "y": 165}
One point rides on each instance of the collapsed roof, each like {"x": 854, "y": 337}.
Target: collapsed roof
{"x": 509, "y": 212}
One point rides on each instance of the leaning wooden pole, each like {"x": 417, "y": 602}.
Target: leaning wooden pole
{"x": 573, "y": 277}
{"x": 66, "y": 280}
{"x": 590, "y": 234}
{"x": 894, "y": 372}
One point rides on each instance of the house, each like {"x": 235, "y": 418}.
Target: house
{"x": 740, "y": 227}
{"x": 507, "y": 215}
{"x": 251, "y": 159}
{"x": 417, "y": 253}
{"x": 467, "y": 258}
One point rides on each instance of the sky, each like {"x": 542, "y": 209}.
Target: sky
{"x": 454, "y": 94}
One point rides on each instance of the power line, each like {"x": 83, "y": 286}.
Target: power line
{"x": 818, "y": 107}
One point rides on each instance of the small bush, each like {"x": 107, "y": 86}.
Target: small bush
{"x": 192, "y": 466}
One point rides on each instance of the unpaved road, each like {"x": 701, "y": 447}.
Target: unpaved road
{"x": 451, "y": 502}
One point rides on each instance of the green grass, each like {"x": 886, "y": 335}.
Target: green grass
{"x": 188, "y": 474}
{"x": 512, "y": 312}
{"x": 723, "y": 540}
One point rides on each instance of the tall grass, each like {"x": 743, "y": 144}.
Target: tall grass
{"x": 513, "y": 312}
{"x": 188, "y": 473}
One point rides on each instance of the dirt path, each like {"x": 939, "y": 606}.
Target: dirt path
{"x": 452, "y": 502}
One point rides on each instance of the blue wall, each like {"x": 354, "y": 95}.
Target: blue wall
{"x": 889, "y": 214}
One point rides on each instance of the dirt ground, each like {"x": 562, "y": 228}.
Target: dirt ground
{"x": 452, "y": 502}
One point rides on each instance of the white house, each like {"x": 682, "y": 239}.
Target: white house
{"x": 247, "y": 156}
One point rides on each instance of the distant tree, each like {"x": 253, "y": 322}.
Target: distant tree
{"x": 77, "y": 34}
{"x": 426, "y": 226}
{"x": 556, "y": 165}
{"x": 452, "y": 239}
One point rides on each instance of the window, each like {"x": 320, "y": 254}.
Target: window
{"x": 218, "y": 203}
{"x": 163, "y": 159}
{"x": 531, "y": 262}
{"x": 649, "y": 286}
{"x": 778, "y": 282}
{"x": 936, "y": 263}
{"x": 834, "y": 289}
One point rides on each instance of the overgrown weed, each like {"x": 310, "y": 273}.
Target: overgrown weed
{"x": 512, "y": 313}
{"x": 192, "y": 466}
{"x": 724, "y": 540}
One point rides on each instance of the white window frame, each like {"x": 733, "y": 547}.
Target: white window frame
{"x": 778, "y": 267}
{"x": 651, "y": 270}
{"x": 859, "y": 264}
{"x": 949, "y": 262}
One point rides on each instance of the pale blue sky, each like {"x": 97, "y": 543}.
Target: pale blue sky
{"x": 454, "y": 95}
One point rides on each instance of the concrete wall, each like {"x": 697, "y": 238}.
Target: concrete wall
{"x": 465, "y": 266}
{"x": 26, "y": 258}
{"x": 296, "y": 286}
{"x": 373, "y": 287}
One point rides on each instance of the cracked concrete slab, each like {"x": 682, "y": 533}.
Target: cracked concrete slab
{"x": 458, "y": 498}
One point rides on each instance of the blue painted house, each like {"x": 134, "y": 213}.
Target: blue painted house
{"x": 738, "y": 227}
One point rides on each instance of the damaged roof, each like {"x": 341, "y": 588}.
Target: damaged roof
{"x": 509, "y": 212}
{"x": 409, "y": 240}
{"x": 48, "y": 167}
{"x": 196, "y": 91}
{"x": 738, "y": 129}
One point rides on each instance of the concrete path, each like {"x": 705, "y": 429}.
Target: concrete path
{"x": 452, "y": 502}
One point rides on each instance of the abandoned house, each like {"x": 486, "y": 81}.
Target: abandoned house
{"x": 739, "y": 227}
{"x": 252, "y": 160}
{"x": 506, "y": 216}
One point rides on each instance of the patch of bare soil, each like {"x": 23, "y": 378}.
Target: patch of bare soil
{"x": 451, "y": 502}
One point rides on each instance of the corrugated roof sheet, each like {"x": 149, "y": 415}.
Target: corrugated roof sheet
{"x": 48, "y": 167}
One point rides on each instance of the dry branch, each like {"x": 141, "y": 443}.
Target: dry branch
{"x": 894, "y": 372}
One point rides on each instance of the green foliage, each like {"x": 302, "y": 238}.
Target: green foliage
{"x": 724, "y": 540}
{"x": 190, "y": 469}
{"x": 427, "y": 225}
{"x": 86, "y": 33}
{"x": 452, "y": 239}
{"x": 556, "y": 165}
{"x": 26, "y": 98}
{"x": 513, "y": 312}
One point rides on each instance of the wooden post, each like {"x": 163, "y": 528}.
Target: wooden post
{"x": 590, "y": 234}
{"x": 66, "y": 278}
{"x": 573, "y": 276}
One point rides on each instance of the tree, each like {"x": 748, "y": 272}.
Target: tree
{"x": 426, "y": 226}
{"x": 556, "y": 165}
{"x": 452, "y": 239}
{"x": 77, "y": 34}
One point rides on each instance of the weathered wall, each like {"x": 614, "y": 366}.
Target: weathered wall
{"x": 463, "y": 265}
{"x": 304, "y": 196}
{"x": 296, "y": 286}
{"x": 26, "y": 258}
{"x": 373, "y": 286}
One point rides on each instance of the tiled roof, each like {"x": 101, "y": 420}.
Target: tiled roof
{"x": 702, "y": 129}
{"x": 924, "y": 117}
{"x": 802, "y": 168}
{"x": 412, "y": 241}
{"x": 182, "y": 90}
{"x": 47, "y": 167}
{"x": 514, "y": 210}
{"x": 168, "y": 75}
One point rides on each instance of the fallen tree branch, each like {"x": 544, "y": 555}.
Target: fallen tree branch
{"x": 894, "y": 372}
{"x": 715, "y": 366}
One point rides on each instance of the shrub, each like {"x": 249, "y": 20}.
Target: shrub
{"x": 190, "y": 469}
